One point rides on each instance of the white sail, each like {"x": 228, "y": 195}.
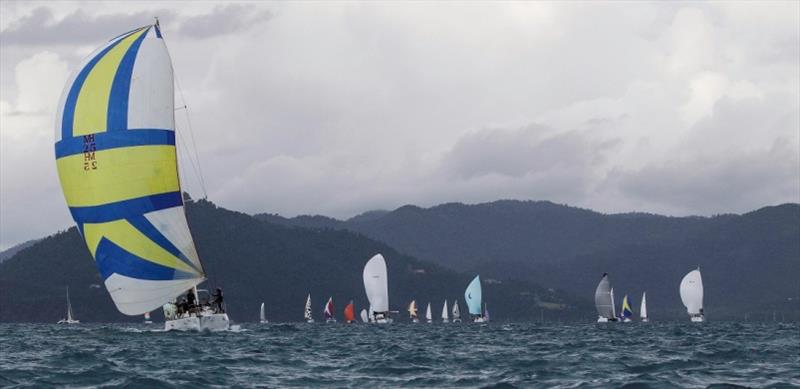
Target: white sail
{"x": 364, "y": 316}
{"x": 603, "y": 300}
{"x": 613, "y": 305}
{"x": 643, "y": 307}
{"x": 428, "y": 315}
{"x": 69, "y": 308}
{"x": 376, "y": 284}
{"x": 263, "y": 315}
{"x": 692, "y": 292}
{"x": 445, "y": 312}
{"x": 456, "y": 311}
{"x": 307, "y": 314}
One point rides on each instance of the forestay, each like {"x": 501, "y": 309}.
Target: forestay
{"x": 117, "y": 163}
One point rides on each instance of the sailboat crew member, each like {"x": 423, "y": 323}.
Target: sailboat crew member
{"x": 190, "y": 301}
{"x": 217, "y": 301}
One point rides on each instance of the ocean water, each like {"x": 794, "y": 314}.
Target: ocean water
{"x": 403, "y": 355}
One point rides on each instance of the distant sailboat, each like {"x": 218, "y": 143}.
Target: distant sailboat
{"x": 376, "y": 286}
{"x": 428, "y": 315}
{"x": 349, "y": 313}
{"x": 626, "y": 313}
{"x": 692, "y": 295}
{"x": 307, "y": 316}
{"x": 364, "y": 316}
{"x": 456, "y": 312}
{"x": 643, "y": 308}
{"x": 445, "y": 313}
{"x": 412, "y": 311}
{"x": 70, "y": 319}
{"x": 117, "y": 162}
{"x": 604, "y": 300}
{"x": 473, "y": 296}
{"x": 263, "y": 315}
{"x": 328, "y": 312}
{"x": 147, "y": 318}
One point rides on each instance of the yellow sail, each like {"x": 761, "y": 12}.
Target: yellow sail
{"x": 117, "y": 163}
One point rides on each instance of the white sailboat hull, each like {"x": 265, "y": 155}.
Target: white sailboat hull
{"x": 479, "y": 320}
{"x": 209, "y": 322}
{"x": 68, "y": 321}
{"x": 645, "y": 320}
{"x": 697, "y": 319}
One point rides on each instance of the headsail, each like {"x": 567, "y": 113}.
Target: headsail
{"x": 643, "y": 307}
{"x": 364, "y": 316}
{"x": 456, "y": 310}
{"x": 428, "y": 314}
{"x": 376, "y": 284}
{"x": 603, "y": 300}
{"x": 473, "y": 296}
{"x": 626, "y": 311}
{"x": 307, "y": 314}
{"x": 412, "y": 309}
{"x": 117, "y": 163}
{"x": 692, "y": 292}
{"x": 349, "y": 312}
{"x": 445, "y": 312}
{"x": 328, "y": 313}
{"x": 69, "y": 307}
{"x": 263, "y": 313}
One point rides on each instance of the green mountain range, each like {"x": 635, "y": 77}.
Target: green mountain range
{"x": 750, "y": 262}
{"x": 255, "y": 261}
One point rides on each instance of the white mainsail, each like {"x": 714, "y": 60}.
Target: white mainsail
{"x": 691, "y": 290}
{"x": 445, "y": 313}
{"x": 376, "y": 284}
{"x": 364, "y": 316}
{"x": 263, "y": 315}
{"x": 643, "y": 307}
{"x": 613, "y": 304}
{"x": 69, "y": 308}
{"x": 456, "y": 311}
{"x": 307, "y": 316}
{"x": 428, "y": 315}
{"x": 604, "y": 299}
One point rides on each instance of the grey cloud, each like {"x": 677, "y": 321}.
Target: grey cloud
{"x": 736, "y": 183}
{"x": 40, "y": 28}
{"x": 223, "y": 20}
{"x": 517, "y": 153}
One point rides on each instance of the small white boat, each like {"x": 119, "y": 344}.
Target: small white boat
{"x": 307, "y": 315}
{"x": 198, "y": 318}
{"x": 456, "y": 312}
{"x": 643, "y": 308}
{"x": 70, "y": 319}
{"x": 263, "y": 315}
{"x": 445, "y": 313}
{"x": 328, "y": 312}
{"x": 604, "y": 301}
{"x": 412, "y": 311}
{"x": 376, "y": 285}
{"x": 691, "y": 290}
{"x": 428, "y": 315}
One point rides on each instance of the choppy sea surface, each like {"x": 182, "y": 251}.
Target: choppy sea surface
{"x": 403, "y": 355}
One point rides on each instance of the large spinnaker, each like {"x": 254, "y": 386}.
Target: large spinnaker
{"x": 603, "y": 299}
{"x": 692, "y": 292}
{"x": 117, "y": 163}
{"x": 376, "y": 284}
{"x": 473, "y": 296}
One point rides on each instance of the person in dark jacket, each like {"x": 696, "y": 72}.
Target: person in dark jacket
{"x": 217, "y": 301}
{"x": 190, "y": 301}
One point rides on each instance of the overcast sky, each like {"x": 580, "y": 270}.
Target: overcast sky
{"x": 337, "y": 108}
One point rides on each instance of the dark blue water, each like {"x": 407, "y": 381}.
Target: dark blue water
{"x": 439, "y": 355}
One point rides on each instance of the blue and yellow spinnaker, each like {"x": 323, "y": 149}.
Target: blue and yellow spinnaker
{"x": 117, "y": 162}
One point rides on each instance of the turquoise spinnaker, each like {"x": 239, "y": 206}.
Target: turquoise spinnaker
{"x": 473, "y": 296}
